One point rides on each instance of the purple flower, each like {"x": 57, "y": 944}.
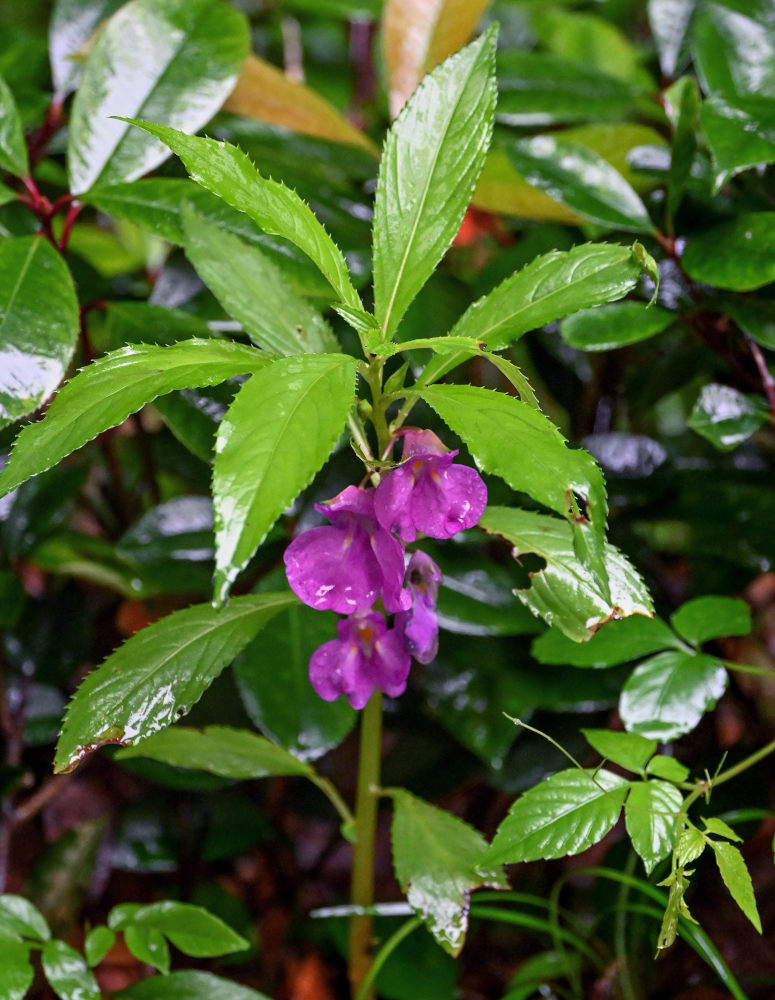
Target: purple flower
{"x": 347, "y": 565}
{"x": 420, "y": 625}
{"x": 428, "y": 493}
{"x": 365, "y": 656}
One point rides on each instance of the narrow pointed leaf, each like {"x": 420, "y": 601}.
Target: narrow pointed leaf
{"x": 158, "y": 674}
{"x": 165, "y": 85}
{"x": 653, "y": 823}
{"x": 13, "y": 151}
{"x": 104, "y": 394}
{"x": 612, "y": 326}
{"x": 626, "y": 749}
{"x": 67, "y": 972}
{"x": 715, "y": 825}
{"x": 433, "y": 156}
{"x": 188, "y": 986}
{"x": 737, "y": 879}
{"x": 190, "y": 928}
{"x": 273, "y": 439}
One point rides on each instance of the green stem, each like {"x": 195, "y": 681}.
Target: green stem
{"x": 384, "y": 954}
{"x": 703, "y": 787}
{"x": 362, "y": 886}
{"x": 332, "y": 794}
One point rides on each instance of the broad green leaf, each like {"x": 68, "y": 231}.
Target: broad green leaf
{"x": 272, "y": 675}
{"x": 417, "y": 37}
{"x": 626, "y": 749}
{"x": 432, "y": 159}
{"x": 19, "y": 915}
{"x": 725, "y": 416}
{"x": 565, "y": 593}
{"x": 668, "y": 768}
{"x": 158, "y": 674}
{"x": 190, "y": 928}
{"x": 669, "y": 20}
{"x": 273, "y": 439}
{"x": 503, "y": 191}
{"x": 38, "y": 324}
{"x": 188, "y": 986}
{"x": 737, "y": 879}
{"x": 734, "y": 52}
{"x": 167, "y": 84}
{"x": 667, "y": 695}
{"x": 691, "y": 844}
{"x": 253, "y": 290}
{"x": 614, "y": 642}
{"x": 13, "y": 151}
{"x": 73, "y": 28}
{"x": 148, "y": 945}
{"x": 756, "y": 317}
{"x": 581, "y": 179}
{"x": 98, "y": 943}
{"x": 740, "y": 135}
{"x": 437, "y": 862}
{"x": 715, "y": 825}
{"x": 16, "y": 972}
{"x": 711, "y": 617}
{"x": 104, "y": 394}
{"x": 229, "y": 753}
{"x": 584, "y": 38}
{"x": 67, "y": 972}
{"x": 738, "y": 255}
{"x": 651, "y": 814}
{"x": 617, "y": 325}
{"x": 563, "y": 815}
{"x": 227, "y": 171}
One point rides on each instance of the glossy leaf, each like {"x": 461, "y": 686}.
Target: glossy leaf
{"x": 737, "y": 879}
{"x": 667, "y": 695}
{"x": 437, "y": 862}
{"x": 253, "y": 290}
{"x": 669, "y": 20}
{"x": 707, "y": 618}
{"x": 190, "y": 928}
{"x": 16, "y": 972}
{"x": 562, "y": 815}
{"x": 564, "y": 593}
{"x": 158, "y": 674}
{"x": 715, "y": 825}
{"x": 188, "y": 986}
{"x": 13, "y": 151}
{"x": 167, "y": 84}
{"x": 503, "y": 191}
{"x": 740, "y": 135}
{"x": 626, "y": 749}
{"x": 274, "y": 438}
{"x": 586, "y": 182}
{"x": 432, "y": 159}
{"x": 97, "y": 944}
{"x": 229, "y": 753}
{"x": 725, "y": 416}
{"x": 651, "y": 814}
{"x": 617, "y": 641}
{"x": 583, "y": 37}
{"x": 148, "y": 945}
{"x": 67, "y": 972}
{"x": 104, "y": 394}
{"x": 756, "y": 317}
{"x": 38, "y": 324}
{"x": 734, "y": 52}
{"x": 738, "y": 255}
{"x": 72, "y": 30}
{"x": 20, "y": 916}
{"x": 615, "y": 325}
{"x": 668, "y": 768}
{"x": 227, "y": 171}
{"x": 691, "y": 844}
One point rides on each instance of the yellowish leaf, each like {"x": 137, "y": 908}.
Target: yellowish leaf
{"x": 505, "y": 192}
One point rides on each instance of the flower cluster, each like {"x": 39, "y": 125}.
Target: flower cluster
{"x": 358, "y": 559}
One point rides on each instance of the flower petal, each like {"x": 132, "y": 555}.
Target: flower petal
{"x": 333, "y": 568}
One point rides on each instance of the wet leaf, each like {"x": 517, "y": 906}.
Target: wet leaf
{"x": 756, "y": 317}
{"x": 651, "y": 814}
{"x": 38, "y": 324}
{"x": 734, "y": 52}
{"x": 691, "y": 844}
{"x": 20, "y": 916}
{"x": 738, "y": 255}
{"x": 615, "y": 325}
{"x": 188, "y": 986}
{"x": 148, "y": 945}
{"x": 737, "y": 879}
{"x": 73, "y": 28}
{"x": 715, "y": 825}
{"x": 97, "y": 944}
{"x": 190, "y": 928}
{"x": 437, "y": 861}
{"x": 725, "y": 416}
{"x": 740, "y": 135}
{"x": 668, "y": 768}
{"x": 710, "y": 617}
{"x": 167, "y": 84}
{"x": 67, "y": 972}
{"x": 16, "y": 972}
{"x": 626, "y": 749}
{"x": 503, "y": 191}
{"x": 432, "y": 159}
{"x": 13, "y": 151}
{"x": 669, "y": 20}
{"x": 158, "y": 674}
{"x": 614, "y": 642}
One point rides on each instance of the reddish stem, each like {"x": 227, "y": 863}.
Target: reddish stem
{"x": 766, "y": 376}
{"x": 72, "y": 215}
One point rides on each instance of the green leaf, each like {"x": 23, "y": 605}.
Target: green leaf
{"x": 626, "y": 749}
{"x": 614, "y": 642}
{"x": 738, "y": 255}
{"x": 167, "y": 84}
{"x": 16, "y": 973}
{"x": 667, "y": 695}
{"x": 737, "y": 879}
{"x": 67, "y": 972}
{"x": 432, "y": 159}
{"x": 148, "y": 945}
{"x": 715, "y": 825}
{"x": 190, "y": 928}
{"x": 98, "y": 943}
{"x": 158, "y": 674}
{"x": 274, "y": 438}
{"x": 563, "y": 815}
{"x": 710, "y": 617}
{"x": 669, "y": 20}
{"x": 739, "y": 135}
{"x": 734, "y": 52}
{"x": 756, "y": 317}
{"x": 582, "y": 179}
{"x": 612, "y": 326}
{"x": 13, "y": 151}
{"x": 38, "y": 324}
{"x": 19, "y": 915}
{"x": 188, "y": 986}
{"x": 104, "y": 394}
{"x": 229, "y": 753}
{"x": 684, "y": 98}
{"x": 725, "y": 416}
{"x": 72, "y": 29}
{"x": 668, "y": 768}
{"x": 437, "y": 861}
{"x": 272, "y": 675}
{"x": 651, "y": 815}
{"x": 565, "y": 593}
{"x": 691, "y": 844}
{"x": 253, "y": 290}
{"x": 228, "y": 172}
{"x": 676, "y": 908}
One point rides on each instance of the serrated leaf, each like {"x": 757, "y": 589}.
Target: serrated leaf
{"x": 221, "y": 750}
{"x": 626, "y": 749}
{"x": 158, "y": 674}
{"x": 437, "y": 861}
{"x": 98, "y": 943}
{"x": 148, "y": 945}
{"x": 614, "y": 642}
{"x": 273, "y": 439}
{"x": 166, "y": 84}
{"x": 715, "y": 825}
{"x": 188, "y": 986}
{"x": 563, "y": 815}
{"x": 738, "y": 255}
{"x": 725, "y": 416}
{"x": 67, "y": 972}
{"x": 432, "y": 159}
{"x": 668, "y": 768}
{"x": 710, "y": 617}
{"x": 107, "y": 391}
{"x": 16, "y": 972}
{"x": 667, "y": 695}
{"x": 38, "y": 324}
{"x": 21, "y": 916}
{"x": 190, "y": 928}
{"x": 737, "y": 879}
{"x": 691, "y": 844}
{"x": 651, "y": 815}
{"x": 13, "y": 151}
{"x": 73, "y": 28}
{"x": 611, "y": 326}
{"x": 227, "y": 172}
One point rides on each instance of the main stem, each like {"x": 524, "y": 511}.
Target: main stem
{"x": 362, "y": 887}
